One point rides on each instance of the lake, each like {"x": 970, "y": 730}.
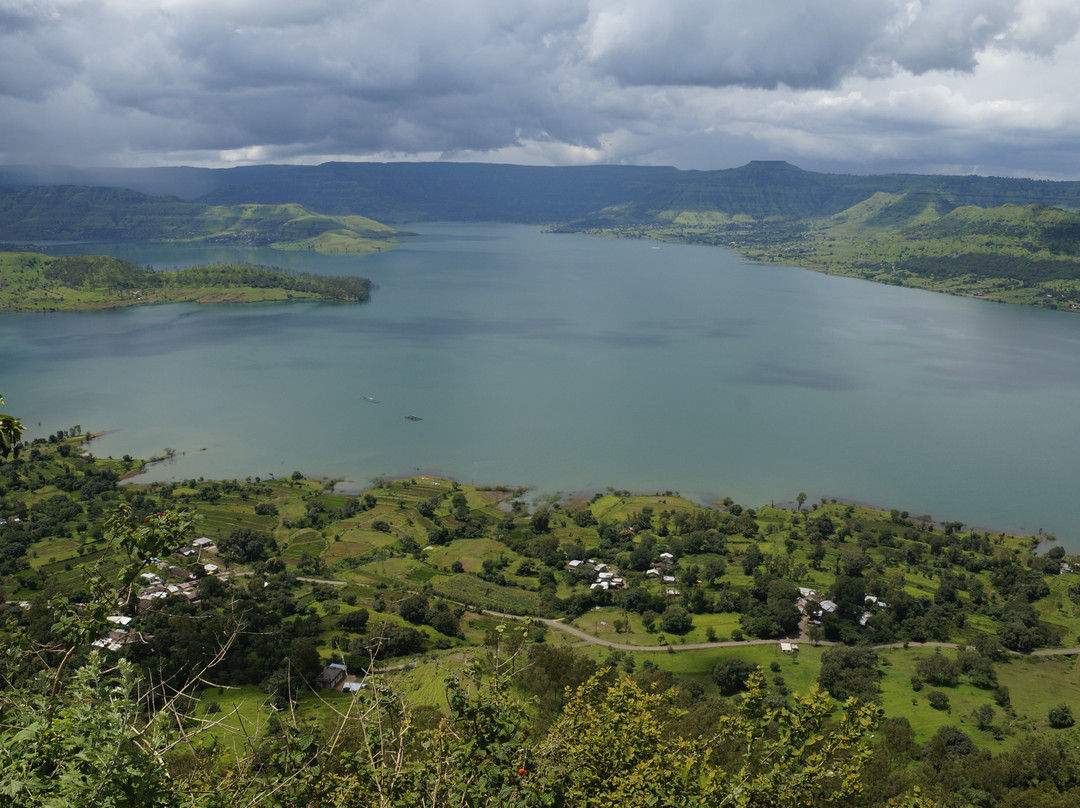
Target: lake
{"x": 571, "y": 363}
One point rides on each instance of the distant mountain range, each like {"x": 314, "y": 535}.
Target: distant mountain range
{"x": 395, "y": 193}
{"x": 998, "y": 238}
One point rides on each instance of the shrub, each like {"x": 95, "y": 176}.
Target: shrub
{"x": 1061, "y": 717}
{"x": 938, "y": 700}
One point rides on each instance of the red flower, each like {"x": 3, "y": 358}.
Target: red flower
{"x": 521, "y": 771}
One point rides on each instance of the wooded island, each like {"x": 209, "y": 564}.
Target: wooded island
{"x": 36, "y": 282}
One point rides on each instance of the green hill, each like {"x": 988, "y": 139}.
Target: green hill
{"x": 99, "y": 214}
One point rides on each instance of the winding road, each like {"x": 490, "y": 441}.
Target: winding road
{"x": 697, "y": 646}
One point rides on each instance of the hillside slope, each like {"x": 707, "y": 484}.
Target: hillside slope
{"x": 96, "y": 214}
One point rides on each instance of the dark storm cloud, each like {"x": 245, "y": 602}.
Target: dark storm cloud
{"x": 562, "y": 81}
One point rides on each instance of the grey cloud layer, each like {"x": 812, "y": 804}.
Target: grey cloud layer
{"x": 100, "y": 81}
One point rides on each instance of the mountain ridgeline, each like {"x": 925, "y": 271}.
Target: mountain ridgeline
{"x": 1014, "y": 240}
{"x": 404, "y": 192}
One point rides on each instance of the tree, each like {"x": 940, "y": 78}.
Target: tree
{"x": 246, "y": 545}
{"x": 540, "y": 521}
{"x": 10, "y": 434}
{"x": 850, "y": 673}
{"x": 938, "y": 670}
{"x": 731, "y": 675}
{"x": 938, "y": 700}
{"x": 801, "y": 499}
{"x": 984, "y": 716}
{"x": 714, "y": 568}
{"x": 752, "y": 559}
{"x": 413, "y": 609}
{"x": 1061, "y": 717}
{"x": 676, "y": 620}
{"x": 609, "y": 748}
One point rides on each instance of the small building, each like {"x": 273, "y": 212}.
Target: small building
{"x": 577, "y": 562}
{"x": 211, "y": 569}
{"x": 788, "y": 647}
{"x": 827, "y": 606}
{"x": 202, "y": 542}
{"x": 653, "y": 571}
{"x": 332, "y": 676}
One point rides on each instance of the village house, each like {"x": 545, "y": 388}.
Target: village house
{"x": 332, "y": 676}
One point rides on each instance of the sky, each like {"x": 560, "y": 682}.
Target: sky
{"x": 857, "y": 86}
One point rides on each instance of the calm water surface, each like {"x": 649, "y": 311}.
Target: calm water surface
{"x": 572, "y": 363}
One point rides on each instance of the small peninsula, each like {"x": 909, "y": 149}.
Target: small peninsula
{"x": 36, "y": 282}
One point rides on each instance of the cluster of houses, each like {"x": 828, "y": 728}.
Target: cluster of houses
{"x": 659, "y": 572}
{"x": 606, "y": 577}
{"x": 811, "y": 605}
{"x": 155, "y": 588}
{"x": 120, "y": 634}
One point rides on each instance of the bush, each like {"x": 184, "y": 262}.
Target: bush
{"x": 1061, "y": 717}
{"x": 938, "y": 700}
{"x": 938, "y": 670}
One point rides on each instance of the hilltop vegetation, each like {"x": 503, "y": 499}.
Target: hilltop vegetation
{"x": 393, "y": 583}
{"x": 1013, "y": 254}
{"x": 36, "y": 282}
{"x": 101, "y": 214}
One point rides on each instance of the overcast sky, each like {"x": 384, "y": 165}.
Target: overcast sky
{"x": 937, "y": 86}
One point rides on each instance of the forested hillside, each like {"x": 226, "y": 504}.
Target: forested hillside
{"x": 55, "y": 213}
{"x": 180, "y": 640}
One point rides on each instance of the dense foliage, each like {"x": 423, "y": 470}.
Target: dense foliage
{"x": 289, "y": 575}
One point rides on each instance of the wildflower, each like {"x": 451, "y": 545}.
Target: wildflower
{"x": 521, "y": 771}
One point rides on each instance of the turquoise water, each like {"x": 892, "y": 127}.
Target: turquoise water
{"x": 572, "y": 363}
